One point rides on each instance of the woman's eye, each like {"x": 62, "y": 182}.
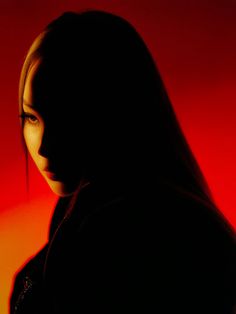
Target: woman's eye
{"x": 30, "y": 118}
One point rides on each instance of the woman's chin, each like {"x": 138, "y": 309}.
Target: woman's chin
{"x": 61, "y": 189}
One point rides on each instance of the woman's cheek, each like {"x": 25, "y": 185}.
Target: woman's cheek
{"x": 32, "y": 140}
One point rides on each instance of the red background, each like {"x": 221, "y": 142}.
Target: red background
{"x": 193, "y": 43}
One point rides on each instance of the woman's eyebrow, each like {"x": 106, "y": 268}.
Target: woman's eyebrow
{"x": 25, "y": 103}
{"x": 31, "y": 106}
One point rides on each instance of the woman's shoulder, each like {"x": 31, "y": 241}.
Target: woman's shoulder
{"x": 202, "y": 213}
{"x": 29, "y": 265}
{"x": 170, "y": 215}
{"x": 164, "y": 203}
{"x": 27, "y": 278}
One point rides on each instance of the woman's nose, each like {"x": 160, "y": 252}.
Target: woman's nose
{"x": 55, "y": 142}
{"x": 47, "y": 145}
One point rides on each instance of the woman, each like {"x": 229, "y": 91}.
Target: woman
{"x": 135, "y": 227}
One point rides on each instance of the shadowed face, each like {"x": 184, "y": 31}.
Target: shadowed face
{"x": 51, "y": 129}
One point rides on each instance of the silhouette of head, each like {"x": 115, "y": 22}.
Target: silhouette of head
{"x": 95, "y": 109}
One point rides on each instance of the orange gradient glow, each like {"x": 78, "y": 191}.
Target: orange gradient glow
{"x": 23, "y": 231}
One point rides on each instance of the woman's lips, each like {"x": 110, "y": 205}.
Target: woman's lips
{"x": 51, "y": 175}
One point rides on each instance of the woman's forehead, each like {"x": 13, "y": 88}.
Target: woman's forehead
{"x": 50, "y": 87}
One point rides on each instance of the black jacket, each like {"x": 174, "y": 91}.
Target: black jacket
{"x": 114, "y": 253}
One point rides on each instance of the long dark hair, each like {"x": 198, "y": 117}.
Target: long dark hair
{"x": 130, "y": 125}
